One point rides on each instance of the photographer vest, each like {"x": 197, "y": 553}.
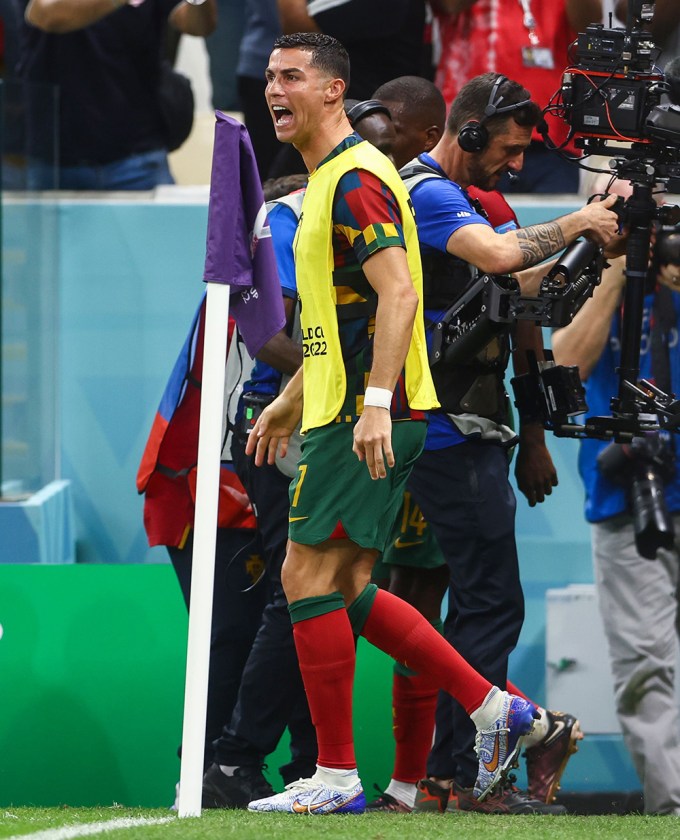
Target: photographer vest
{"x": 325, "y": 380}
{"x": 476, "y": 386}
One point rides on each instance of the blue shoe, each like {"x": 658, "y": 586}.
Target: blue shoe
{"x": 309, "y": 796}
{"x": 498, "y": 747}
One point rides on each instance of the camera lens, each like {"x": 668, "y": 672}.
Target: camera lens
{"x": 652, "y": 522}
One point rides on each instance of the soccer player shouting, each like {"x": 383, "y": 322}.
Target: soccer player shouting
{"x": 364, "y": 387}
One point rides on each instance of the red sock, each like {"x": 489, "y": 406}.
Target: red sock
{"x": 325, "y": 649}
{"x": 414, "y": 702}
{"x": 514, "y": 690}
{"x": 399, "y": 630}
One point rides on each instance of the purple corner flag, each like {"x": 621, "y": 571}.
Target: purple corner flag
{"x": 239, "y": 250}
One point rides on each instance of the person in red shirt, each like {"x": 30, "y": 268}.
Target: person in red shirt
{"x": 527, "y": 40}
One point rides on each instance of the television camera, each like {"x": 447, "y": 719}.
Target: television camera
{"x": 612, "y": 98}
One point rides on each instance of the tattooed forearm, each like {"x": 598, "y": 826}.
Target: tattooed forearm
{"x": 539, "y": 241}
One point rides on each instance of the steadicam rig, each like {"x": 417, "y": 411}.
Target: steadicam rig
{"x": 494, "y": 302}
{"x": 612, "y": 97}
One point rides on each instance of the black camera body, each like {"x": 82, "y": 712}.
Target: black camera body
{"x": 643, "y": 466}
{"x": 609, "y": 105}
{"x": 613, "y": 93}
{"x": 613, "y": 87}
{"x": 254, "y": 404}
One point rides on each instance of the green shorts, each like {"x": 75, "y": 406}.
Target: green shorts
{"x": 412, "y": 542}
{"x": 333, "y": 495}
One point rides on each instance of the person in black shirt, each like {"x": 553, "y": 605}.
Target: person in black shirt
{"x": 383, "y": 38}
{"x": 103, "y": 57}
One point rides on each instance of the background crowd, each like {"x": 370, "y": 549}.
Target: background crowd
{"x": 61, "y": 52}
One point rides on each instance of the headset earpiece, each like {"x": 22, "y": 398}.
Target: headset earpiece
{"x": 473, "y": 136}
{"x": 365, "y": 108}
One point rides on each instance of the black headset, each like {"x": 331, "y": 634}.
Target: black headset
{"x": 474, "y": 135}
{"x": 365, "y": 108}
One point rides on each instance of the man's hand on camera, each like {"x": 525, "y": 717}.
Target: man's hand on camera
{"x": 616, "y": 247}
{"x": 602, "y": 223}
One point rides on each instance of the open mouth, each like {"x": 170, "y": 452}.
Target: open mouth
{"x": 282, "y": 116}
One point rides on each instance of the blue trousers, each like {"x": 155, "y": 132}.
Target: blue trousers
{"x": 136, "y": 172}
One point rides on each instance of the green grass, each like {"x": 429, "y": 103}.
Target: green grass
{"x": 244, "y": 826}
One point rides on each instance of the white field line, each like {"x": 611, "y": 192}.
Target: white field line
{"x": 84, "y": 829}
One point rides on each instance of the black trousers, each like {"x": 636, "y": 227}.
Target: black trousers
{"x": 464, "y": 494}
{"x": 236, "y": 616}
{"x": 271, "y": 695}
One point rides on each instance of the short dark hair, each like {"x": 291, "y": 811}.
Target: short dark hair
{"x": 473, "y": 98}
{"x": 328, "y": 54}
{"x": 284, "y": 185}
{"x": 420, "y": 96}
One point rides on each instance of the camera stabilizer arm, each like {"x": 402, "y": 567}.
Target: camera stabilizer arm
{"x": 494, "y": 302}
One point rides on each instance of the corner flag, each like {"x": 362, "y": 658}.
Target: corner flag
{"x": 240, "y": 269}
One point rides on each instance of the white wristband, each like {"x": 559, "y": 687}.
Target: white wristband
{"x": 379, "y": 397}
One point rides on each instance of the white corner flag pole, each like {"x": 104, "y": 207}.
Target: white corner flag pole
{"x": 205, "y": 539}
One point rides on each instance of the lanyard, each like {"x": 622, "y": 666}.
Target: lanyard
{"x": 529, "y": 22}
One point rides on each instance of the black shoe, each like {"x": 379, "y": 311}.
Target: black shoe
{"x": 505, "y": 799}
{"x": 387, "y": 802}
{"x": 246, "y": 785}
{"x": 433, "y": 796}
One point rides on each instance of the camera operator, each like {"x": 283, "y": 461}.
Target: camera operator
{"x": 637, "y": 596}
{"x": 461, "y": 481}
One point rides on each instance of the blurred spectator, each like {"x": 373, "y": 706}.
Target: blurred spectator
{"x": 262, "y": 28}
{"x": 10, "y": 18}
{"x": 105, "y": 60}
{"x": 11, "y": 104}
{"x": 223, "y": 54}
{"x": 384, "y": 38}
{"x": 528, "y": 42}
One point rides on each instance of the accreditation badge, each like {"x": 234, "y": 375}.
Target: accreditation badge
{"x": 538, "y": 57}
